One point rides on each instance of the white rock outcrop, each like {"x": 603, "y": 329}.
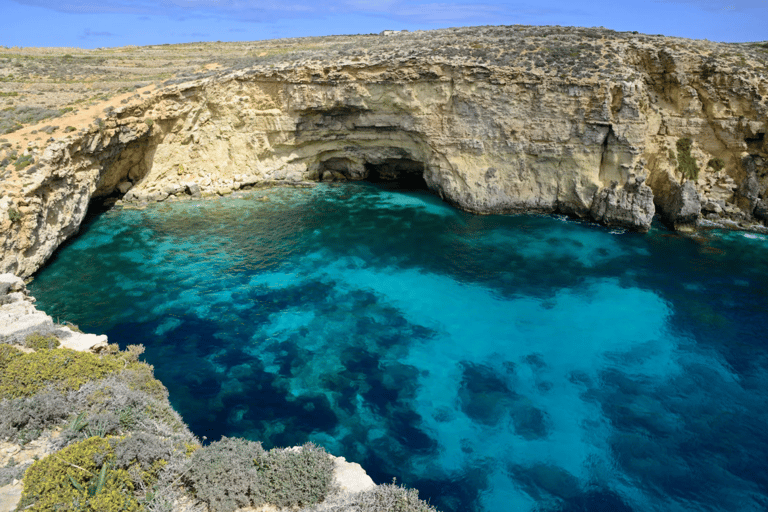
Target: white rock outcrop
{"x": 19, "y": 318}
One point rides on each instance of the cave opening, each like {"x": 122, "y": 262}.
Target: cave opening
{"x": 399, "y": 173}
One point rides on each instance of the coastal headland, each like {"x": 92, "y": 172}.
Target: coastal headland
{"x": 613, "y": 127}
{"x": 609, "y": 126}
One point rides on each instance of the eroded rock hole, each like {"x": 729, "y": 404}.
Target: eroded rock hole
{"x": 399, "y": 173}
{"x": 393, "y": 173}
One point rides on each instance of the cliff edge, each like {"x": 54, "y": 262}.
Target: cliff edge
{"x": 613, "y": 127}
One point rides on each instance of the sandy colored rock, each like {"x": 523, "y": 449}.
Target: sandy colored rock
{"x": 10, "y": 495}
{"x": 493, "y": 119}
{"x": 350, "y": 476}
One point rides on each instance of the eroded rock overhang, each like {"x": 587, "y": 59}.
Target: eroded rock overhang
{"x": 486, "y": 139}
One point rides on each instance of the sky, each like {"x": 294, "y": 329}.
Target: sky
{"x": 109, "y": 23}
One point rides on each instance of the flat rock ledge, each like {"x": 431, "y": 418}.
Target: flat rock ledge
{"x": 19, "y": 318}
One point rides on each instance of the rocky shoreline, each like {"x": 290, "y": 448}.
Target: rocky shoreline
{"x": 607, "y": 126}
{"x": 20, "y": 320}
{"x": 613, "y": 127}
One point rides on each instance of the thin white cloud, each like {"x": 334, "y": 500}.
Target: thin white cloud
{"x": 88, "y": 33}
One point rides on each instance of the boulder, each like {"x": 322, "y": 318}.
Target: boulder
{"x": 630, "y": 206}
{"x": 80, "y": 341}
{"x": 18, "y": 316}
{"x": 350, "y": 476}
{"x": 193, "y": 189}
{"x": 761, "y": 210}
{"x": 678, "y": 205}
{"x": 748, "y": 191}
{"x": 10, "y": 283}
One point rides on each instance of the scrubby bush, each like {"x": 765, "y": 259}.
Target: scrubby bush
{"x": 8, "y": 353}
{"x": 296, "y": 477}
{"x": 124, "y": 395}
{"x": 26, "y": 374}
{"x": 234, "y": 473}
{"x": 223, "y": 474}
{"x": 13, "y": 118}
{"x": 716, "y": 164}
{"x": 38, "y": 341}
{"x": 14, "y": 215}
{"x": 686, "y": 164}
{"x": 143, "y": 450}
{"x": 12, "y": 471}
{"x": 23, "y": 419}
{"x": 385, "y": 498}
{"x": 80, "y": 477}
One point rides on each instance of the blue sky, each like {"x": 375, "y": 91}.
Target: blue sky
{"x": 100, "y": 23}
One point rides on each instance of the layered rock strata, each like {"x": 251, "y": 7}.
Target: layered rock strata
{"x": 584, "y": 122}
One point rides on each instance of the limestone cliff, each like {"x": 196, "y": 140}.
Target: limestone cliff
{"x": 585, "y": 122}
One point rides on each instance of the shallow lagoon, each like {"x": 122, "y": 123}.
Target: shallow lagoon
{"x": 494, "y": 363}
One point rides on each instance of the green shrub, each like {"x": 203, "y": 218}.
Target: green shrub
{"x": 14, "y": 215}
{"x": 24, "y": 419}
{"x": 38, "y": 341}
{"x": 686, "y": 164}
{"x": 388, "y": 498}
{"x": 26, "y": 374}
{"x": 234, "y": 473}
{"x": 149, "y": 122}
{"x": 716, "y": 164}
{"x": 8, "y": 353}
{"x": 80, "y": 477}
{"x": 223, "y": 474}
{"x": 296, "y": 477}
{"x": 23, "y": 161}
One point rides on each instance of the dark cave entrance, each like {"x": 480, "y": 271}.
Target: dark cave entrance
{"x": 399, "y": 173}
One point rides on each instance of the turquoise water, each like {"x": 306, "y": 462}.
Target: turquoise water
{"x": 495, "y": 363}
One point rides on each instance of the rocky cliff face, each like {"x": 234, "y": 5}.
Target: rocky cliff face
{"x": 578, "y": 121}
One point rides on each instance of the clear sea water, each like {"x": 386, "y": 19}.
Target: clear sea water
{"x": 495, "y": 363}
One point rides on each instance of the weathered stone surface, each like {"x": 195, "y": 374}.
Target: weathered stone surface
{"x": 81, "y": 342}
{"x": 499, "y": 130}
{"x": 679, "y": 205}
{"x": 761, "y": 210}
{"x": 630, "y": 206}
{"x": 10, "y": 495}
{"x": 350, "y": 476}
{"x": 18, "y": 316}
{"x": 9, "y": 283}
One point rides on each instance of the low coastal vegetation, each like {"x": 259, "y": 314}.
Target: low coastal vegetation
{"x": 687, "y": 166}
{"x": 114, "y": 443}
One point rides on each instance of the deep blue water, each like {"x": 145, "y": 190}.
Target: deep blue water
{"x": 495, "y": 363}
